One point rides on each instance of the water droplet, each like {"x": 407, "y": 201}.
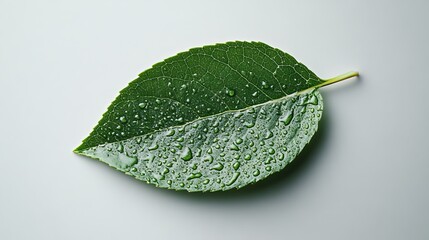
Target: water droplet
{"x": 255, "y": 94}
{"x": 120, "y": 148}
{"x": 170, "y": 133}
{"x": 217, "y": 166}
{"x": 247, "y": 157}
{"x": 264, "y": 85}
{"x": 123, "y": 119}
{"x": 287, "y": 118}
{"x": 313, "y": 100}
{"x": 208, "y": 158}
{"x": 233, "y": 147}
{"x": 236, "y": 165}
{"x": 280, "y": 156}
{"x": 271, "y": 151}
{"x": 180, "y": 119}
{"x": 249, "y": 124}
{"x": 233, "y": 179}
{"x": 268, "y": 168}
{"x": 268, "y": 134}
{"x": 153, "y": 147}
{"x": 142, "y": 105}
{"x": 206, "y": 181}
{"x": 230, "y": 92}
{"x": 194, "y": 175}
{"x": 256, "y": 172}
{"x": 186, "y": 154}
{"x": 238, "y": 140}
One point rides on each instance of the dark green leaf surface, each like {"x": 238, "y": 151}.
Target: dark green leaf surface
{"x": 212, "y": 118}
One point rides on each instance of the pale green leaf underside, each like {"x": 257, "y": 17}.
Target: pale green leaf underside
{"x": 220, "y": 152}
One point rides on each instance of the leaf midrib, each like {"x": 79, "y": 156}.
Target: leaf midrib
{"x": 205, "y": 117}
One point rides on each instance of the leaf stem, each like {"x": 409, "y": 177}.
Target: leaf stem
{"x": 337, "y": 79}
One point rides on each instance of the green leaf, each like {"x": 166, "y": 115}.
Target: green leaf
{"x": 212, "y": 118}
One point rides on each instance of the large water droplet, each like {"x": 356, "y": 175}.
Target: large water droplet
{"x": 233, "y": 179}
{"x": 287, "y": 118}
{"x": 256, "y": 172}
{"x": 217, "y": 166}
{"x": 234, "y": 147}
{"x": 194, "y": 175}
{"x": 236, "y": 165}
{"x": 153, "y": 147}
{"x": 186, "y": 154}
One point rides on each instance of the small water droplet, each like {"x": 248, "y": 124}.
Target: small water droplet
{"x": 217, "y": 166}
{"x": 236, "y": 165}
{"x": 268, "y": 168}
{"x": 120, "y": 148}
{"x": 233, "y": 147}
{"x": 256, "y": 172}
{"x": 271, "y": 151}
{"x": 142, "y": 105}
{"x": 153, "y": 147}
{"x": 247, "y": 157}
{"x": 208, "y": 158}
{"x": 195, "y": 175}
{"x": 238, "y": 140}
{"x": 206, "y": 181}
{"x": 170, "y": 133}
{"x": 123, "y": 119}
{"x": 186, "y": 154}
{"x": 230, "y": 92}
{"x": 268, "y": 134}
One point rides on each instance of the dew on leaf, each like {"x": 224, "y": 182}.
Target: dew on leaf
{"x": 186, "y": 154}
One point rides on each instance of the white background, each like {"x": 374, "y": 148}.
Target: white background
{"x": 364, "y": 176}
